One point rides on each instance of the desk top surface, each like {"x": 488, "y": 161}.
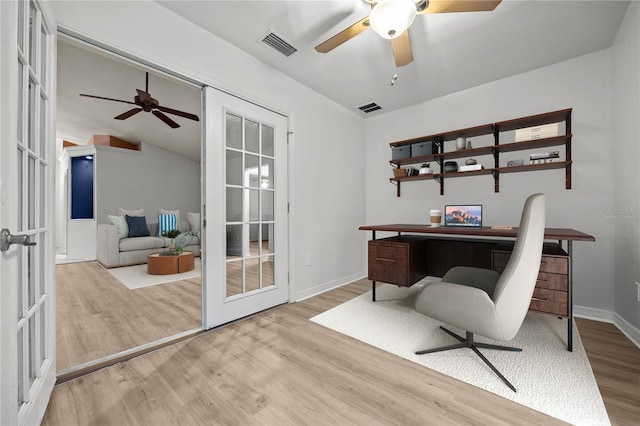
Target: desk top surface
{"x": 485, "y": 231}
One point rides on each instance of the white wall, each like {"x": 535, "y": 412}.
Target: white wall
{"x": 327, "y": 170}
{"x": 583, "y": 84}
{"x": 149, "y": 179}
{"x": 625, "y": 153}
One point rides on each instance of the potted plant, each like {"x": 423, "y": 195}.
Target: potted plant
{"x": 425, "y": 169}
{"x": 172, "y": 234}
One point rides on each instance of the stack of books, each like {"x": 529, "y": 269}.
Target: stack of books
{"x": 544, "y": 157}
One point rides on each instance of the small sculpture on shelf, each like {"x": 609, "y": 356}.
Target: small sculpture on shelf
{"x": 425, "y": 169}
{"x": 461, "y": 143}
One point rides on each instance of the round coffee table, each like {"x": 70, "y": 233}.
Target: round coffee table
{"x": 163, "y": 264}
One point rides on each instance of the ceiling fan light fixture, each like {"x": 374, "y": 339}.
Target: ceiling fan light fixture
{"x": 391, "y": 18}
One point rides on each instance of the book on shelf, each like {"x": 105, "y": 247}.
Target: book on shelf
{"x": 544, "y": 155}
{"x": 471, "y": 168}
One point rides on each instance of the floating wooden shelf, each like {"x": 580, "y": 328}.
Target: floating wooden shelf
{"x": 494, "y": 129}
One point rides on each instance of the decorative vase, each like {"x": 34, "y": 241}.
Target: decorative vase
{"x": 461, "y": 143}
{"x": 469, "y": 145}
{"x": 450, "y": 166}
{"x": 470, "y": 162}
{"x": 425, "y": 170}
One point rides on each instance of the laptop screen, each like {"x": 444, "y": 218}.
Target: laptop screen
{"x": 466, "y": 216}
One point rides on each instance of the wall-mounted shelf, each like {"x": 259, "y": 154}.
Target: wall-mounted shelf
{"x": 495, "y": 130}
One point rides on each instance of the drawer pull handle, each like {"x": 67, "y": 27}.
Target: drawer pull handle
{"x": 537, "y": 299}
{"x": 541, "y": 280}
{"x": 385, "y": 260}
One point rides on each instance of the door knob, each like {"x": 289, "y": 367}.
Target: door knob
{"x": 6, "y": 239}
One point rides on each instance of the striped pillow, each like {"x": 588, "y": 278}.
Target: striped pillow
{"x": 166, "y": 222}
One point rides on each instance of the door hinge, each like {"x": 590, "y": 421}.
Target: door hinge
{"x": 288, "y": 207}
{"x": 289, "y": 136}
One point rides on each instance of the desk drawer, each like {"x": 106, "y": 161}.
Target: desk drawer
{"x": 549, "y": 263}
{"x": 558, "y": 282}
{"x": 550, "y": 302}
{"x": 398, "y": 260}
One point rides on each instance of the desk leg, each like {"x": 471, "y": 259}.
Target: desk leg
{"x": 570, "y": 301}
{"x": 373, "y": 291}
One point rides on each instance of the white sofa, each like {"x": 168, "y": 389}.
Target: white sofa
{"x": 113, "y": 251}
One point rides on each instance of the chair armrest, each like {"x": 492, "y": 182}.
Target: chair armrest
{"x": 108, "y": 249}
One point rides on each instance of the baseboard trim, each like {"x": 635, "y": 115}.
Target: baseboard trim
{"x": 603, "y": 315}
{"x": 331, "y": 285}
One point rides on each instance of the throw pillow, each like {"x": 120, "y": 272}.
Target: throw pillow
{"x": 166, "y": 222}
{"x": 194, "y": 221}
{"x": 125, "y": 212}
{"x": 121, "y": 223}
{"x": 174, "y": 212}
{"x": 137, "y": 226}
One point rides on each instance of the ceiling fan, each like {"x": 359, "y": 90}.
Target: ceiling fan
{"x": 146, "y": 103}
{"x": 392, "y": 18}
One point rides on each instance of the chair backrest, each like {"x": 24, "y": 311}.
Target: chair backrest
{"x": 512, "y": 294}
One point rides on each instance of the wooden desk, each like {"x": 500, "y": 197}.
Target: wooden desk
{"x": 406, "y": 259}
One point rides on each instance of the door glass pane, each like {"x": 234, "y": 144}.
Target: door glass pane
{"x": 268, "y": 275}
{"x": 43, "y": 57}
{"x": 32, "y": 350}
{"x": 267, "y": 178}
{"x": 254, "y": 204}
{"x": 31, "y": 115}
{"x": 20, "y": 370}
{"x": 43, "y": 128}
{"x": 234, "y": 131}
{"x": 21, "y": 21}
{"x": 234, "y": 167}
{"x": 21, "y": 188}
{"x": 42, "y": 196}
{"x": 252, "y": 274}
{"x": 31, "y": 277}
{"x": 252, "y": 177}
{"x": 267, "y": 140}
{"x": 267, "y": 238}
{"x": 33, "y": 37}
{"x": 234, "y": 278}
{"x": 31, "y": 200}
{"x": 254, "y": 238}
{"x": 234, "y": 241}
{"x": 267, "y": 205}
{"x": 43, "y": 331}
{"x": 234, "y": 204}
{"x": 41, "y": 245}
{"x": 252, "y": 136}
{"x": 20, "y": 112}
{"x": 21, "y": 285}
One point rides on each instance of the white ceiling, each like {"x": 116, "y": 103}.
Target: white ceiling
{"x": 93, "y": 72}
{"x": 452, "y": 52}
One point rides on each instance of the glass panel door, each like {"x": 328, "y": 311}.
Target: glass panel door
{"x": 27, "y": 144}
{"x": 248, "y": 251}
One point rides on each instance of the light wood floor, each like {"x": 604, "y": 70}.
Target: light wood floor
{"x": 97, "y": 316}
{"x": 278, "y": 368}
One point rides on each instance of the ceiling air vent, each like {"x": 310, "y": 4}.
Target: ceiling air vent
{"x": 275, "y": 41}
{"x": 370, "y": 107}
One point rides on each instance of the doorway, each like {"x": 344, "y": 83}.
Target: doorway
{"x": 107, "y": 307}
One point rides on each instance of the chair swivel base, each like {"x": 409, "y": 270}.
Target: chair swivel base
{"x": 470, "y": 343}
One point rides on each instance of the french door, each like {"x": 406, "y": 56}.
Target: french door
{"x": 246, "y": 208}
{"x": 27, "y": 147}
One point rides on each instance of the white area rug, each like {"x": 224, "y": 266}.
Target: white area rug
{"x": 549, "y": 378}
{"x": 136, "y": 276}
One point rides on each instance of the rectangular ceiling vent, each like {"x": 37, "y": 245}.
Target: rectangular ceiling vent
{"x": 370, "y": 107}
{"x": 275, "y": 41}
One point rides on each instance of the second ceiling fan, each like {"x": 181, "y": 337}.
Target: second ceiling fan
{"x": 391, "y": 19}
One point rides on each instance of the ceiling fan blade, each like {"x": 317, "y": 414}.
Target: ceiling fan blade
{"x": 401, "y": 47}
{"x": 449, "y": 6}
{"x": 108, "y": 99}
{"x": 128, "y": 114}
{"x": 343, "y": 36}
{"x": 180, "y": 113}
{"x": 169, "y": 122}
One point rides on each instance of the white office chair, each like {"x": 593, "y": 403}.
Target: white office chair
{"x": 486, "y": 302}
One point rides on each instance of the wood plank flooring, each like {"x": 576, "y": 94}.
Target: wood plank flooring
{"x": 97, "y": 316}
{"x": 278, "y": 368}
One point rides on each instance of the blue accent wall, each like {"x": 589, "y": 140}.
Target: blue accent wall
{"x": 81, "y": 188}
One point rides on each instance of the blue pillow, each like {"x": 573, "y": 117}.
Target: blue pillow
{"x": 166, "y": 223}
{"x": 137, "y": 226}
